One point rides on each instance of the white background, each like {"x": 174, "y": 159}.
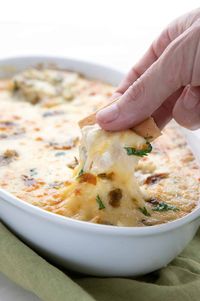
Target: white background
{"x": 111, "y": 32}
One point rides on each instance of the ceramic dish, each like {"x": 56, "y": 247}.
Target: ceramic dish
{"x": 94, "y": 249}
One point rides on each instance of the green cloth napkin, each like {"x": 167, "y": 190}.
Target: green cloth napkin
{"x": 180, "y": 280}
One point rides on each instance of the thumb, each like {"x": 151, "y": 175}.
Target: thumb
{"x": 147, "y": 94}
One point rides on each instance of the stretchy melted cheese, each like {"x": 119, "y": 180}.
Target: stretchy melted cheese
{"x": 105, "y": 176}
{"x": 102, "y": 152}
{"x": 39, "y": 156}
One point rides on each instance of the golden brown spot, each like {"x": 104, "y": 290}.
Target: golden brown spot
{"x": 188, "y": 158}
{"x": 16, "y": 117}
{"x": 115, "y": 197}
{"x": 108, "y": 176}
{"x": 56, "y": 196}
{"x": 88, "y": 178}
{"x": 67, "y": 183}
{"x": 77, "y": 191}
{"x": 32, "y": 188}
{"x": 9, "y": 153}
{"x": 155, "y": 178}
{"x": 6, "y": 84}
{"x": 40, "y": 182}
{"x": 8, "y": 156}
{"x": 38, "y": 139}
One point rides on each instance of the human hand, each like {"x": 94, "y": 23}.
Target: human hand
{"x": 164, "y": 84}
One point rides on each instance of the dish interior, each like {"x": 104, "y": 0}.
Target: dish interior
{"x": 40, "y": 138}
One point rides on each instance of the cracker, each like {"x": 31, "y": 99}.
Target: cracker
{"x": 147, "y": 129}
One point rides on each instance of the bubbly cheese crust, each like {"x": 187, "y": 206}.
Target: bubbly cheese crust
{"x": 39, "y": 141}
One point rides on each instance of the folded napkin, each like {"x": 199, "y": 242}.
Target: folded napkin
{"x": 180, "y": 280}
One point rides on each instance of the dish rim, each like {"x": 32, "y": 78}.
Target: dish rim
{"x": 104, "y": 229}
{"x": 78, "y": 224}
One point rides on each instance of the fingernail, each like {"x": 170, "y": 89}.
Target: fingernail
{"x": 191, "y": 99}
{"x": 108, "y": 114}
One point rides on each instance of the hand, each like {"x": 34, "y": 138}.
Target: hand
{"x": 164, "y": 84}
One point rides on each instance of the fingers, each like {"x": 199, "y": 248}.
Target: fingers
{"x": 164, "y": 113}
{"x": 152, "y": 54}
{"x": 142, "y": 98}
{"x": 174, "y": 29}
{"x": 170, "y": 72}
{"x": 187, "y": 109}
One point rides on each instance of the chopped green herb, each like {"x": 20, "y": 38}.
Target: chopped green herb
{"x": 80, "y": 172}
{"x": 139, "y": 152}
{"x": 144, "y": 211}
{"x": 162, "y": 206}
{"x": 99, "y": 202}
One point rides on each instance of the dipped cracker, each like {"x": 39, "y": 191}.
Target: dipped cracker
{"x": 147, "y": 129}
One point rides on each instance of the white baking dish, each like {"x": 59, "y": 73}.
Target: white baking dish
{"x": 85, "y": 247}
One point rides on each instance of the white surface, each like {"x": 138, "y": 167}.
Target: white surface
{"x": 113, "y": 32}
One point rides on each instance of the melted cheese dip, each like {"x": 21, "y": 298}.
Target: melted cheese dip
{"x": 105, "y": 177}
{"x": 39, "y": 141}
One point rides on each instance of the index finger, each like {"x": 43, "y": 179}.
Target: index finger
{"x": 151, "y": 55}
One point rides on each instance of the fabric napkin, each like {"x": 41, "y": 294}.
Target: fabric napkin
{"x": 179, "y": 281}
